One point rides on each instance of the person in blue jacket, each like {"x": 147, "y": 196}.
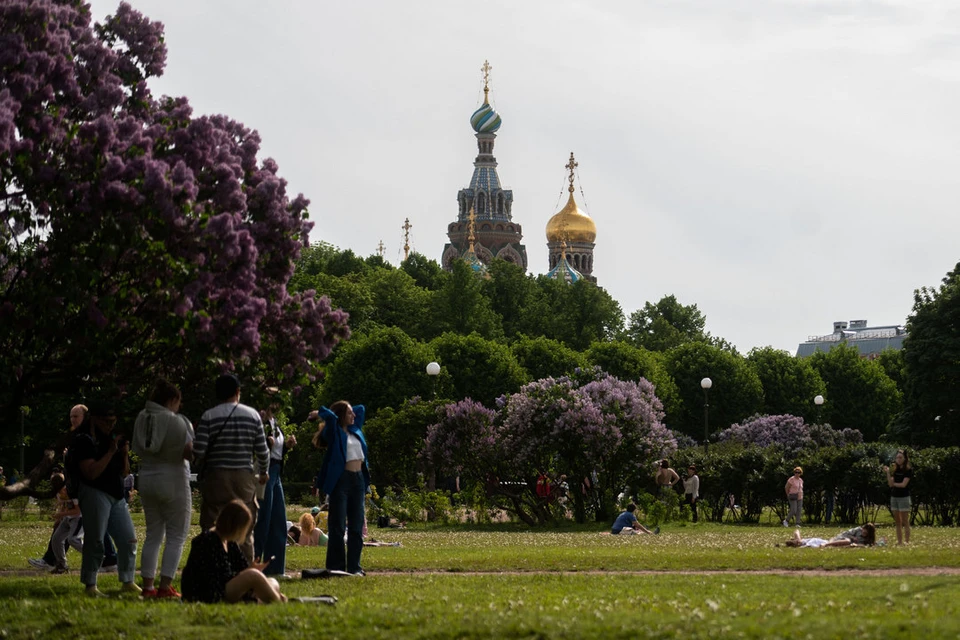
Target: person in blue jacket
{"x": 344, "y": 476}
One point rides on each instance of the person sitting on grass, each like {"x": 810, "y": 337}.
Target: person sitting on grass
{"x": 218, "y": 571}
{"x": 310, "y": 533}
{"x": 627, "y": 523}
{"x": 864, "y": 536}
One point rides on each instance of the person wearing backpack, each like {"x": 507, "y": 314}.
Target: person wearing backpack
{"x": 100, "y": 460}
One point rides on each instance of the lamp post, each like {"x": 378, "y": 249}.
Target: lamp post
{"x": 433, "y": 370}
{"x": 705, "y": 384}
{"x": 818, "y": 400}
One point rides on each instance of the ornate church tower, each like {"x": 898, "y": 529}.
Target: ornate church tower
{"x": 495, "y": 233}
{"x": 571, "y": 234}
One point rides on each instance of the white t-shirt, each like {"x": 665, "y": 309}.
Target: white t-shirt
{"x": 354, "y": 448}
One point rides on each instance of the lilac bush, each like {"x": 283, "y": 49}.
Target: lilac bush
{"x": 575, "y": 426}
{"x": 789, "y": 432}
{"x": 138, "y": 238}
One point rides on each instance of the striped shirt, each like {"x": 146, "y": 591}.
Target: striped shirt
{"x": 236, "y": 443}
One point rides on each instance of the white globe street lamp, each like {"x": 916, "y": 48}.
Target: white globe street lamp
{"x": 433, "y": 370}
{"x": 705, "y": 384}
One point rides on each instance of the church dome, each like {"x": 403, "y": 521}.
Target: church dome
{"x": 485, "y": 119}
{"x": 571, "y": 224}
{"x": 563, "y": 271}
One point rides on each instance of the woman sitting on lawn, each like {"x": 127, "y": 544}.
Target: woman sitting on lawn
{"x": 218, "y": 571}
{"x": 864, "y": 536}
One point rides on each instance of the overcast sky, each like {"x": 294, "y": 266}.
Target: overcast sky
{"x": 780, "y": 164}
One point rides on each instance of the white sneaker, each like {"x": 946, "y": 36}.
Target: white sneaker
{"x": 786, "y": 524}
{"x": 39, "y": 563}
{"x": 109, "y": 568}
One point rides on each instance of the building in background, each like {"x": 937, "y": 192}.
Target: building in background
{"x": 495, "y": 232}
{"x": 571, "y": 234}
{"x": 869, "y": 341}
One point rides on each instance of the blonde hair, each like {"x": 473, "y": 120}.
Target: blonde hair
{"x": 307, "y": 524}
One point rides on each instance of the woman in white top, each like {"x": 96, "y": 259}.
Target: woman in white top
{"x": 164, "y": 441}
{"x": 691, "y": 489}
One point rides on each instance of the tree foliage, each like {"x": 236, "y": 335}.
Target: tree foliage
{"x": 666, "y": 324}
{"x": 476, "y": 368}
{"x": 136, "y": 238}
{"x": 383, "y": 368}
{"x": 788, "y": 432}
{"x": 789, "y": 384}
{"x": 931, "y": 354}
{"x": 545, "y": 358}
{"x": 578, "y": 426}
{"x": 736, "y": 392}
{"x": 626, "y": 362}
{"x": 859, "y": 394}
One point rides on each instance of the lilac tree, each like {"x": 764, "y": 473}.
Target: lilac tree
{"x": 589, "y": 424}
{"x": 787, "y": 431}
{"x": 136, "y": 238}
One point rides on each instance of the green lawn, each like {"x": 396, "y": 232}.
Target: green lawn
{"x": 509, "y": 582}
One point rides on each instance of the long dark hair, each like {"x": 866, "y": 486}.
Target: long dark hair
{"x": 869, "y": 532}
{"x": 906, "y": 461}
{"x": 340, "y": 408}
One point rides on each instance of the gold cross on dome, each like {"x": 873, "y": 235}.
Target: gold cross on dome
{"x": 573, "y": 164}
{"x": 486, "y": 68}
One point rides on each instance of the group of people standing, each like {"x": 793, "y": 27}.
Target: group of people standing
{"x": 236, "y": 451}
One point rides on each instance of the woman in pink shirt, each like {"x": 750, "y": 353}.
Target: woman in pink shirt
{"x": 794, "y": 490}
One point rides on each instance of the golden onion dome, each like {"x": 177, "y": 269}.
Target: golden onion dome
{"x": 571, "y": 224}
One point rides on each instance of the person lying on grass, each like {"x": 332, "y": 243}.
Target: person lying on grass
{"x": 864, "y": 536}
{"x": 627, "y": 524}
{"x": 217, "y": 569}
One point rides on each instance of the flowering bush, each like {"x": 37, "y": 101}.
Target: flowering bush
{"x": 591, "y": 424}
{"x": 787, "y": 431}
{"x": 790, "y": 432}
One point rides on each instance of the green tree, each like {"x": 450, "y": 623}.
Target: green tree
{"x": 627, "y": 362}
{"x": 789, "y": 384}
{"x": 398, "y": 434}
{"x": 510, "y": 290}
{"x": 398, "y": 301}
{"x": 931, "y": 354}
{"x": 666, "y": 324}
{"x": 460, "y": 306}
{"x": 544, "y": 358}
{"x": 736, "y": 393}
{"x": 577, "y": 314}
{"x": 425, "y": 272}
{"x": 477, "y": 368}
{"x": 383, "y": 368}
{"x": 859, "y": 394}
{"x": 894, "y": 365}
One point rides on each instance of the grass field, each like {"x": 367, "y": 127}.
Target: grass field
{"x": 698, "y": 581}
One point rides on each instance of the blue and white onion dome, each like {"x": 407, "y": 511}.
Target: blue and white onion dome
{"x": 485, "y": 119}
{"x": 564, "y": 271}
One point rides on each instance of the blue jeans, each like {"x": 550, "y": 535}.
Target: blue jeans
{"x": 102, "y": 514}
{"x": 346, "y": 514}
{"x": 270, "y": 534}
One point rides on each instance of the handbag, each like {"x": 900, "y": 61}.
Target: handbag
{"x": 200, "y": 464}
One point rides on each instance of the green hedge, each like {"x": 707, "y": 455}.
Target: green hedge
{"x": 755, "y": 477}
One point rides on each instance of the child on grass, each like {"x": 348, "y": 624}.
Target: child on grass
{"x": 217, "y": 569}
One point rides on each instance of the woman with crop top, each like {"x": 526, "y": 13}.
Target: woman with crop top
{"x": 344, "y": 477}
{"x": 898, "y": 479}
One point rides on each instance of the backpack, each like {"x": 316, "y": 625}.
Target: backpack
{"x": 71, "y": 468}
